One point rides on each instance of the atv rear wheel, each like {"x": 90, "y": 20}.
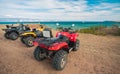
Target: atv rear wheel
{"x": 29, "y": 41}
{"x": 60, "y": 60}
{"x": 13, "y": 36}
{"x": 76, "y": 46}
{"x": 6, "y": 35}
{"x": 39, "y": 54}
{"x": 22, "y": 39}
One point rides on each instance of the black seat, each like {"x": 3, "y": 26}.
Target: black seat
{"x": 49, "y": 41}
{"x": 62, "y": 38}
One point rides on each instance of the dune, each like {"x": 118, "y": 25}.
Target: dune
{"x": 96, "y": 55}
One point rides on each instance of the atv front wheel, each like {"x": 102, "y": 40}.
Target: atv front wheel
{"x": 22, "y": 39}
{"x": 6, "y": 35}
{"x": 29, "y": 41}
{"x": 76, "y": 46}
{"x": 13, "y": 36}
{"x": 39, "y": 54}
{"x": 60, "y": 60}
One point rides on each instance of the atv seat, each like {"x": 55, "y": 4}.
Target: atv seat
{"x": 62, "y": 38}
{"x": 50, "y": 41}
{"x": 47, "y": 40}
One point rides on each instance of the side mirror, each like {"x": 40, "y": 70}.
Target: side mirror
{"x": 57, "y": 24}
{"x": 73, "y": 25}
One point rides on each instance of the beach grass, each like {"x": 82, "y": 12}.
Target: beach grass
{"x": 101, "y": 30}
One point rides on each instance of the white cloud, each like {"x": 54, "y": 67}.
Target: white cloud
{"x": 9, "y": 16}
{"x": 56, "y": 10}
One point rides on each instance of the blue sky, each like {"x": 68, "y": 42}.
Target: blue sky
{"x": 61, "y": 10}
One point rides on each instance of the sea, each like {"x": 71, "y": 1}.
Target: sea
{"x": 78, "y": 24}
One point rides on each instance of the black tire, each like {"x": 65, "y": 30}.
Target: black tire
{"x": 76, "y": 45}
{"x": 39, "y": 54}
{"x": 13, "y": 36}
{"x": 6, "y": 35}
{"x": 22, "y": 39}
{"x": 29, "y": 41}
{"x": 60, "y": 60}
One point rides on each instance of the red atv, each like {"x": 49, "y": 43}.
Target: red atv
{"x": 56, "y": 48}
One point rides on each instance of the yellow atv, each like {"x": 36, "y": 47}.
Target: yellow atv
{"x": 28, "y": 37}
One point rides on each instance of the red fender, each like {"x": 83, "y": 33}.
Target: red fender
{"x": 58, "y": 46}
{"x": 73, "y": 37}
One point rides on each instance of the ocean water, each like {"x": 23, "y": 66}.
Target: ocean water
{"x": 78, "y": 25}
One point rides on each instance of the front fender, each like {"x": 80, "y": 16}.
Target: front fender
{"x": 29, "y": 33}
{"x": 73, "y": 37}
{"x": 6, "y": 30}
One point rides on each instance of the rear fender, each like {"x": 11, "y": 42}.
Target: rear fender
{"x": 36, "y": 41}
{"x": 57, "y": 34}
{"x": 58, "y": 46}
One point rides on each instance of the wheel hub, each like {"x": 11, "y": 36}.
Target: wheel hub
{"x": 41, "y": 54}
{"x": 14, "y": 36}
{"x": 63, "y": 62}
{"x": 30, "y": 42}
{"x": 77, "y": 45}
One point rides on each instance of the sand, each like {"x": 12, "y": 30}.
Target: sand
{"x": 96, "y": 55}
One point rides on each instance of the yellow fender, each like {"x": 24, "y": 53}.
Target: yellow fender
{"x": 29, "y": 33}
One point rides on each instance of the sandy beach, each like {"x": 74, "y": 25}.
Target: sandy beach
{"x": 96, "y": 55}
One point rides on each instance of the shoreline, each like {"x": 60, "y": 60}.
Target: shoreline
{"x": 78, "y": 25}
